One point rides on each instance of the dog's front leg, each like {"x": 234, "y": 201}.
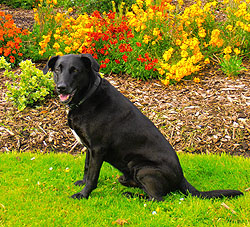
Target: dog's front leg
{"x": 86, "y": 168}
{"x": 95, "y": 164}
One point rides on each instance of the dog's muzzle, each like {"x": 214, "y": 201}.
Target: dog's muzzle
{"x": 66, "y": 98}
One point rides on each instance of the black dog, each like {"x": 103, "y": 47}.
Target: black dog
{"x": 115, "y": 131}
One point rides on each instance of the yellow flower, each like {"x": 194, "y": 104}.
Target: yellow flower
{"x": 167, "y": 54}
{"x": 165, "y": 82}
{"x": 56, "y": 36}
{"x": 197, "y": 80}
{"x": 156, "y": 31}
{"x": 180, "y": 2}
{"x": 184, "y": 54}
{"x": 148, "y": 2}
{"x": 70, "y": 10}
{"x": 236, "y": 51}
{"x": 56, "y": 46}
{"x": 165, "y": 66}
{"x": 220, "y": 43}
{"x": 227, "y": 50}
{"x": 67, "y": 50}
{"x": 227, "y": 57}
{"x": 178, "y": 42}
{"x": 139, "y": 2}
{"x": 55, "y": 2}
{"x": 161, "y": 71}
{"x": 184, "y": 46}
{"x": 207, "y": 61}
{"x": 229, "y": 27}
{"x": 59, "y": 53}
{"x": 41, "y": 52}
{"x": 202, "y": 32}
{"x": 146, "y": 39}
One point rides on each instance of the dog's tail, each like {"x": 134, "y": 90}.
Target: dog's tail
{"x": 186, "y": 188}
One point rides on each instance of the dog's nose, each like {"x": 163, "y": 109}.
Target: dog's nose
{"x": 61, "y": 88}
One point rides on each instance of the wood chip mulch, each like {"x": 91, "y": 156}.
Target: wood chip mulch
{"x": 208, "y": 117}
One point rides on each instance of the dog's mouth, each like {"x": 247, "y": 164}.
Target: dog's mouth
{"x": 66, "y": 98}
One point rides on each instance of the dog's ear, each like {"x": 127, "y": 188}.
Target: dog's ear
{"x": 50, "y": 64}
{"x": 90, "y": 62}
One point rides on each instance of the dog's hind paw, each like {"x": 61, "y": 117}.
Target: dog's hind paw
{"x": 79, "y": 183}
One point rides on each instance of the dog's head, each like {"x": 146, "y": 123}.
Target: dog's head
{"x": 73, "y": 75}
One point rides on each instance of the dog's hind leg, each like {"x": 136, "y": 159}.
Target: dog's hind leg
{"x": 153, "y": 182}
{"x": 86, "y": 168}
{"x": 128, "y": 182}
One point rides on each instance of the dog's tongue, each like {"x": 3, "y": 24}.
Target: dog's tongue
{"x": 64, "y": 98}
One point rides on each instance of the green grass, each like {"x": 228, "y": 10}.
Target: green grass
{"x": 33, "y": 194}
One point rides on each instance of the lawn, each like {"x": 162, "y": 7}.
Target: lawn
{"x": 35, "y": 190}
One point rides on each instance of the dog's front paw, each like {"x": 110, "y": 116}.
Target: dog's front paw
{"x": 80, "y": 182}
{"x": 79, "y": 196}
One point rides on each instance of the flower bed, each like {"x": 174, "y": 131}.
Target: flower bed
{"x": 150, "y": 40}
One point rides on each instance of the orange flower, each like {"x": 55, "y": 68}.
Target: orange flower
{"x": 9, "y": 37}
{"x": 12, "y": 59}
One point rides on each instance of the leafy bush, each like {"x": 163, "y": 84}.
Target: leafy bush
{"x": 26, "y": 4}
{"x": 30, "y": 86}
{"x": 4, "y": 64}
{"x": 10, "y": 39}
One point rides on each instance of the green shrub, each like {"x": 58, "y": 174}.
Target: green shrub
{"x": 4, "y": 64}
{"x": 88, "y": 6}
{"x": 232, "y": 66}
{"x": 28, "y": 87}
{"x": 25, "y": 4}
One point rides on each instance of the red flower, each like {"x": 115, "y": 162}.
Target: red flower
{"x": 102, "y": 66}
{"x": 117, "y": 61}
{"x": 147, "y": 57}
{"x": 113, "y": 42}
{"x": 96, "y": 14}
{"x": 111, "y": 15}
{"x": 125, "y": 58}
{"x": 138, "y": 44}
{"x": 141, "y": 59}
{"x": 106, "y": 61}
{"x": 149, "y": 66}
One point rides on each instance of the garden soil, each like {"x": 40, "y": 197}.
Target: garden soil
{"x": 208, "y": 117}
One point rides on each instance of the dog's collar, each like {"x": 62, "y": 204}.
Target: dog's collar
{"x": 90, "y": 92}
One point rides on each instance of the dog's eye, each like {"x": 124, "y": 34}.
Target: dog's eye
{"x": 73, "y": 70}
{"x": 57, "y": 70}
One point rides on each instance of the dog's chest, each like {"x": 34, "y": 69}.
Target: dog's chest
{"x": 76, "y": 136}
{"x": 73, "y": 131}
